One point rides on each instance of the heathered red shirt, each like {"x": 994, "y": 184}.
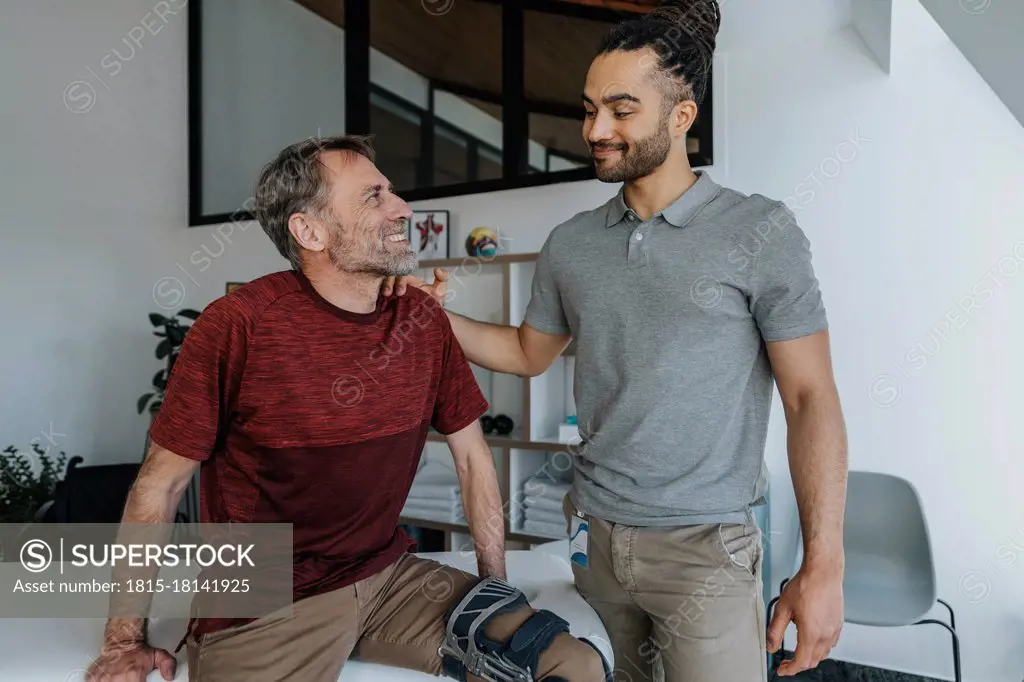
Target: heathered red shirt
{"x": 307, "y": 414}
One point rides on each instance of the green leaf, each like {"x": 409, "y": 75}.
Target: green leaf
{"x": 176, "y": 335}
{"x": 157, "y": 319}
{"x": 143, "y": 400}
{"x": 161, "y": 334}
{"x": 189, "y": 313}
{"x": 163, "y": 349}
{"x": 159, "y": 382}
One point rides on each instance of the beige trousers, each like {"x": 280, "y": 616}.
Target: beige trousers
{"x": 395, "y": 617}
{"x": 684, "y": 600}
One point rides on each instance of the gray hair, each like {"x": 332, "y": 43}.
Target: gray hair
{"x": 294, "y": 182}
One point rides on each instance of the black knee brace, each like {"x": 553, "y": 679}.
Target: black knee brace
{"x": 467, "y": 649}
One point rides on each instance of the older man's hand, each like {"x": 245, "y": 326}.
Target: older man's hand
{"x": 438, "y": 290}
{"x": 813, "y": 601}
{"x": 131, "y": 663}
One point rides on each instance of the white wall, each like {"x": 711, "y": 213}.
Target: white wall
{"x": 273, "y": 73}
{"x": 920, "y": 214}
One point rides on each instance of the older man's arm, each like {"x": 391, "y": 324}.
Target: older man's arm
{"x": 481, "y": 497}
{"x": 149, "y": 512}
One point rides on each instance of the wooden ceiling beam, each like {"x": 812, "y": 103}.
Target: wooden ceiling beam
{"x": 636, "y": 6}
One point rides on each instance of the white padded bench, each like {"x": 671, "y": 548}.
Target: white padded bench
{"x": 59, "y": 650}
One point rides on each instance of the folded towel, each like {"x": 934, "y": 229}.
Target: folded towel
{"x": 434, "y": 481}
{"x": 543, "y": 487}
{"x": 555, "y": 531}
{"x": 438, "y": 455}
{"x": 417, "y": 512}
{"x": 542, "y": 503}
{"x": 436, "y": 474}
{"x": 426, "y": 491}
{"x": 435, "y": 491}
{"x": 439, "y": 505}
{"x": 542, "y": 516}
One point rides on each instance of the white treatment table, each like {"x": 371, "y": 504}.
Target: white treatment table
{"x": 59, "y": 650}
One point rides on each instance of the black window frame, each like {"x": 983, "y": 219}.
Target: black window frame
{"x": 516, "y": 108}
{"x": 430, "y": 122}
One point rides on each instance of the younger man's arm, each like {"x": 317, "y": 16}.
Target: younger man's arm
{"x": 527, "y": 350}
{"x": 522, "y": 350}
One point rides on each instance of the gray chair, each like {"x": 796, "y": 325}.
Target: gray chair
{"x": 890, "y": 575}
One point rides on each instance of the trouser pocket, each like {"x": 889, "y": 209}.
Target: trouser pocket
{"x": 740, "y": 546}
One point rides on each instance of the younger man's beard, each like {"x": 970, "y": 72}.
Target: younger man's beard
{"x": 641, "y": 158}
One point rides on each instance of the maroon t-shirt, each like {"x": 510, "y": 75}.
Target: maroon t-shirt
{"x": 307, "y": 414}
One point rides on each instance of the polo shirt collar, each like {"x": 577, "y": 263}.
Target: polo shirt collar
{"x": 679, "y": 212}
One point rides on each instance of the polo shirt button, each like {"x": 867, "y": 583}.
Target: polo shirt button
{"x": 639, "y": 236}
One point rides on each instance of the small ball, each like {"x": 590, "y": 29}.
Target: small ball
{"x": 482, "y": 242}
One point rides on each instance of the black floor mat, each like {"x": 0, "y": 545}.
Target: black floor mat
{"x": 840, "y": 671}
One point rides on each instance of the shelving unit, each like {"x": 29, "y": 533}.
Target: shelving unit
{"x": 497, "y": 290}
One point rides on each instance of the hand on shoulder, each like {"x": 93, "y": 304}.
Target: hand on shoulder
{"x": 438, "y": 290}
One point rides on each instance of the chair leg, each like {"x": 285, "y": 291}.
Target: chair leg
{"x": 952, "y": 620}
{"x": 956, "y": 644}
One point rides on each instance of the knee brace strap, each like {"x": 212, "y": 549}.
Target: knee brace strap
{"x": 467, "y": 649}
{"x": 532, "y": 638}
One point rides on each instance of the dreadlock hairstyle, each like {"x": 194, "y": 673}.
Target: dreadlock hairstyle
{"x": 682, "y": 33}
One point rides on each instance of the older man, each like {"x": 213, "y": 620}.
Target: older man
{"x": 289, "y": 396}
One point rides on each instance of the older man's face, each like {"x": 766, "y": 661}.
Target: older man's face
{"x": 370, "y": 230}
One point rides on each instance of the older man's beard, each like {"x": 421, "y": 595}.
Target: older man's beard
{"x": 640, "y": 159}
{"x": 370, "y": 255}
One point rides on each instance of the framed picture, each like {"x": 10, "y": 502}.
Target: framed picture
{"x": 231, "y": 286}
{"x": 429, "y": 234}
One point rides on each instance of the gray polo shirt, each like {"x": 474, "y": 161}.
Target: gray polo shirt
{"x": 672, "y": 382}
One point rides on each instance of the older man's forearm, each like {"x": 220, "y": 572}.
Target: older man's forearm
{"x": 818, "y": 466}
{"x": 481, "y": 498}
{"x": 149, "y": 511}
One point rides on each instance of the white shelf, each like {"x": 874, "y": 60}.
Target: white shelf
{"x": 498, "y": 290}
{"x": 543, "y": 536}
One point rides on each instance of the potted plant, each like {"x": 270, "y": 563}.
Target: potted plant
{"x": 23, "y": 488}
{"x": 171, "y": 332}
{"x": 27, "y": 482}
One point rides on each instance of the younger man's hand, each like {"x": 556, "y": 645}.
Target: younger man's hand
{"x": 438, "y": 290}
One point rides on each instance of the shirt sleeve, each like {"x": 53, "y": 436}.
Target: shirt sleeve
{"x": 786, "y": 300}
{"x": 545, "y": 312}
{"x": 459, "y": 400}
{"x": 204, "y": 382}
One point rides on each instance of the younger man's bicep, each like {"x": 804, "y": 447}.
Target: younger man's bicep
{"x": 786, "y": 299}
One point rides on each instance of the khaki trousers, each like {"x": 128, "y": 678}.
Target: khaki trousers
{"x": 395, "y": 617}
{"x": 683, "y": 602}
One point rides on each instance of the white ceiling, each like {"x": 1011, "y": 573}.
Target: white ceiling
{"x": 750, "y": 24}
{"x": 987, "y": 33}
